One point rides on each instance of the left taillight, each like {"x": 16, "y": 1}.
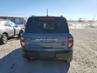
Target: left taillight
{"x": 22, "y": 41}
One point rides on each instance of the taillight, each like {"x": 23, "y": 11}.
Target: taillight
{"x": 70, "y": 42}
{"x": 22, "y": 41}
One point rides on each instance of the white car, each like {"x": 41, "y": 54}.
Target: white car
{"x": 8, "y": 29}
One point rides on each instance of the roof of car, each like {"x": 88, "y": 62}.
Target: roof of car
{"x": 48, "y": 17}
{"x": 4, "y": 20}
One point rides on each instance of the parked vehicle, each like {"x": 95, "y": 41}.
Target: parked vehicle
{"x": 19, "y": 21}
{"x": 8, "y": 29}
{"x": 47, "y": 37}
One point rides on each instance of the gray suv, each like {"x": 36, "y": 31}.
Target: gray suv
{"x": 47, "y": 37}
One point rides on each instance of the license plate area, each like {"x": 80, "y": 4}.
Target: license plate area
{"x": 46, "y": 55}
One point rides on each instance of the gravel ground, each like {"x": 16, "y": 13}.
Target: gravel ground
{"x": 11, "y": 45}
{"x": 84, "y": 57}
{"x": 85, "y": 51}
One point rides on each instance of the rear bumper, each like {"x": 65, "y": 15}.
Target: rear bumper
{"x": 61, "y": 55}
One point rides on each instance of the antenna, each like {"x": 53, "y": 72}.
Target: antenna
{"x": 47, "y": 12}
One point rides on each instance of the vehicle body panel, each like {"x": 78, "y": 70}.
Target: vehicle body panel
{"x": 49, "y": 41}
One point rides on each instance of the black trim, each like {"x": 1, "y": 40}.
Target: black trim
{"x": 65, "y": 51}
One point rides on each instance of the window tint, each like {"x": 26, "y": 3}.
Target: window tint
{"x": 38, "y": 25}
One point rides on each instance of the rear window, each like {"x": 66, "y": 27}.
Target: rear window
{"x": 46, "y": 25}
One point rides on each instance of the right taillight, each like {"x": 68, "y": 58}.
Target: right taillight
{"x": 70, "y": 42}
{"x": 22, "y": 41}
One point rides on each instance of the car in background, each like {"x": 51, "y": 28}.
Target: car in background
{"x": 8, "y": 29}
{"x": 47, "y": 37}
{"x": 19, "y": 21}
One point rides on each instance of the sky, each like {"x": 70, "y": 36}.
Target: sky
{"x": 71, "y": 9}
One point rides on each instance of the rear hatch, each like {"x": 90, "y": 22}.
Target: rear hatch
{"x": 48, "y": 34}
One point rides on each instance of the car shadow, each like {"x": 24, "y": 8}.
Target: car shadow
{"x": 15, "y": 63}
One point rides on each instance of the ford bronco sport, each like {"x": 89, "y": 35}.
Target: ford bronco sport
{"x": 47, "y": 37}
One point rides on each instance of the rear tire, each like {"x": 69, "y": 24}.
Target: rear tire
{"x": 65, "y": 61}
{"x": 4, "y": 39}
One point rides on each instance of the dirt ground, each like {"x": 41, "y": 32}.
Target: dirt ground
{"x": 84, "y": 57}
{"x": 85, "y": 51}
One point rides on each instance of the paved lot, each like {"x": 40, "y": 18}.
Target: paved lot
{"x": 85, "y": 57}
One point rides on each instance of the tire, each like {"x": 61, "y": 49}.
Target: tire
{"x": 4, "y": 39}
{"x": 65, "y": 61}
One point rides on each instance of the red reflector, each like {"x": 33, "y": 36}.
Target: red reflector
{"x": 70, "y": 42}
{"x": 22, "y": 41}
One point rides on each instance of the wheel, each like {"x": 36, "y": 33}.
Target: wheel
{"x": 4, "y": 39}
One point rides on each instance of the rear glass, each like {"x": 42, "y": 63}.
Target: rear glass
{"x": 46, "y": 25}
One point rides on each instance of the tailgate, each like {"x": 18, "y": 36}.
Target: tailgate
{"x": 46, "y": 41}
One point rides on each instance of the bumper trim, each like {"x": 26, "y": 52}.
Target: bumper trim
{"x": 56, "y": 51}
